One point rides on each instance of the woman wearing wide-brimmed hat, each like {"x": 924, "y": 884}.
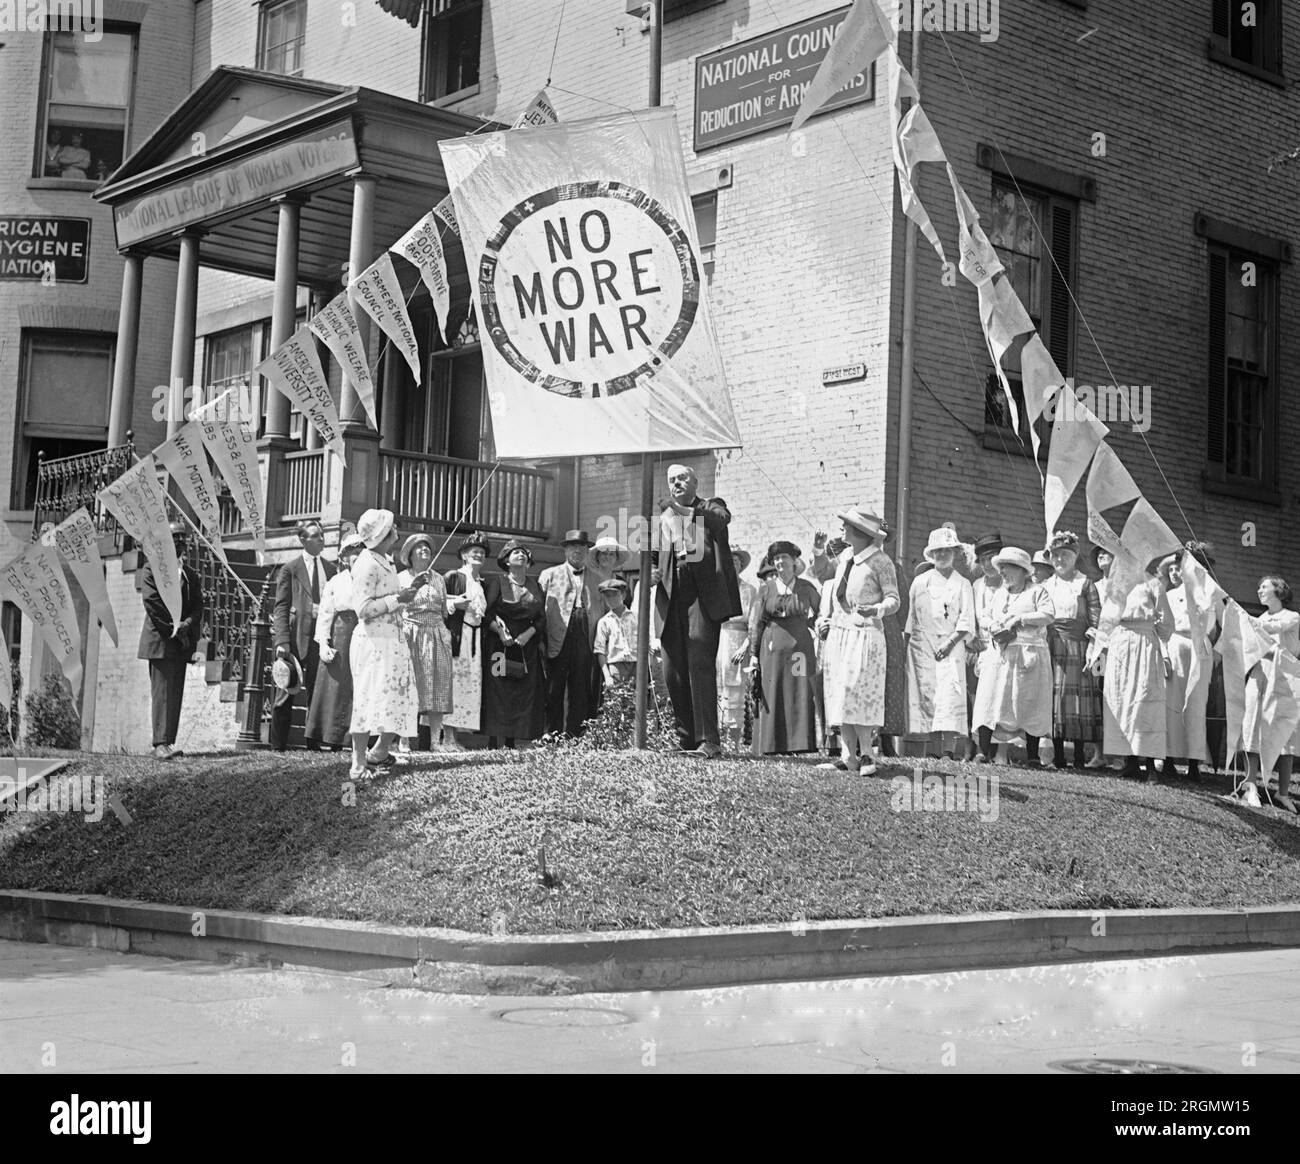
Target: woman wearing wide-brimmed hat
{"x": 384, "y": 701}
{"x": 863, "y": 593}
{"x": 329, "y": 719}
{"x": 425, "y": 623}
{"x": 940, "y": 620}
{"x": 468, "y": 602}
{"x": 780, "y": 634}
{"x": 1076, "y": 699}
{"x": 606, "y": 559}
{"x": 1135, "y": 621}
{"x": 733, "y": 639}
{"x": 1191, "y": 668}
{"x": 1015, "y": 685}
{"x": 514, "y": 684}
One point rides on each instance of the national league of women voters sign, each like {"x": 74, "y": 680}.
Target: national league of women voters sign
{"x": 585, "y": 270}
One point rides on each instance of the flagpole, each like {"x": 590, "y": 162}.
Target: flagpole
{"x": 907, "y": 357}
{"x": 643, "y": 606}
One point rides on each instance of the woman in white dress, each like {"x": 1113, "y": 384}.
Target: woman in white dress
{"x": 424, "y": 622}
{"x": 862, "y": 594}
{"x": 465, "y": 623}
{"x": 1133, "y": 627}
{"x": 987, "y": 583}
{"x": 384, "y": 700}
{"x": 940, "y": 619}
{"x": 1283, "y": 627}
{"x": 1015, "y": 684}
{"x": 1185, "y": 700}
{"x": 733, "y": 649}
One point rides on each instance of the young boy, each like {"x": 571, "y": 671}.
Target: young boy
{"x": 615, "y": 649}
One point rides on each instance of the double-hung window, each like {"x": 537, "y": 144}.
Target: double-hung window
{"x": 281, "y": 37}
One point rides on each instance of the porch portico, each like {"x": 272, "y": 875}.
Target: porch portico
{"x": 301, "y": 183}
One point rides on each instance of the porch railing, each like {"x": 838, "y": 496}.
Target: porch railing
{"x": 436, "y": 492}
{"x": 66, "y": 484}
{"x": 304, "y": 484}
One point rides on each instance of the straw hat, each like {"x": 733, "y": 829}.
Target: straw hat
{"x": 352, "y": 542}
{"x": 744, "y": 557}
{"x": 577, "y": 537}
{"x": 1014, "y": 556}
{"x": 374, "y": 525}
{"x": 867, "y": 523}
{"x": 408, "y": 547}
{"x": 942, "y": 538}
{"x": 608, "y": 545}
{"x": 1043, "y": 558}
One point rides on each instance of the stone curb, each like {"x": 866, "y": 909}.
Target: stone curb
{"x": 459, "y": 962}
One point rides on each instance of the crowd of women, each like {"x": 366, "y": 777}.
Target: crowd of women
{"x": 996, "y": 647}
{"x": 989, "y": 647}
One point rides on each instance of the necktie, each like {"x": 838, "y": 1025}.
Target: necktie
{"x": 315, "y": 579}
{"x": 842, "y": 590}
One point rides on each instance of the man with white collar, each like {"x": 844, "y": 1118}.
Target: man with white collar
{"x": 697, "y": 593}
{"x": 572, "y": 611}
{"x": 297, "y": 603}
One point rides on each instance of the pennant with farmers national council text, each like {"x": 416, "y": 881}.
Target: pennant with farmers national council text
{"x": 294, "y": 368}
{"x": 422, "y": 246}
{"x": 861, "y": 38}
{"x": 78, "y": 541}
{"x": 1077, "y": 435}
{"x": 378, "y": 292}
{"x": 231, "y": 441}
{"x": 186, "y": 462}
{"x": 337, "y": 328}
{"x": 34, "y": 581}
{"x": 140, "y": 506}
{"x": 581, "y": 245}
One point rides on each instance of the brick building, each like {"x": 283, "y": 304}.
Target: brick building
{"x": 1122, "y": 146}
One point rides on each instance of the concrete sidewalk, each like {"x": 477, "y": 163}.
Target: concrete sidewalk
{"x": 73, "y": 1009}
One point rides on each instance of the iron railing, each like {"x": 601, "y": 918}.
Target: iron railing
{"x": 434, "y": 493}
{"x": 66, "y": 484}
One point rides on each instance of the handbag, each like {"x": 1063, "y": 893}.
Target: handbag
{"x": 515, "y": 670}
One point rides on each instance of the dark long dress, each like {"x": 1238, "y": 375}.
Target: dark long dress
{"x": 513, "y": 708}
{"x": 787, "y": 665}
{"x": 329, "y": 719}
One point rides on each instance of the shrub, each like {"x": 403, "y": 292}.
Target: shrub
{"x": 52, "y": 719}
{"x": 614, "y": 728}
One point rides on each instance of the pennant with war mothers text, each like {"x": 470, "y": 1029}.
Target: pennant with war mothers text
{"x": 186, "y": 462}
{"x": 140, "y": 506}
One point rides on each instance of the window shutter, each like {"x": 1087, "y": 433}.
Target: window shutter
{"x": 1217, "y": 380}
{"x": 1060, "y": 309}
{"x": 1222, "y": 18}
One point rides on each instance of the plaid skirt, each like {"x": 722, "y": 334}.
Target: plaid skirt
{"x": 1076, "y": 696}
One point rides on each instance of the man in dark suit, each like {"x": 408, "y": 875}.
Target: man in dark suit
{"x": 168, "y": 647}
{"x": 297, "y": 600}
{"x": 697, "y": 593}
{"x": 572, "y": 611}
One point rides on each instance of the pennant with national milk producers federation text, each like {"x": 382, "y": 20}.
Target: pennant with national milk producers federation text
{"x": 862, "y": 37}
{"x": 231, "y": 440}
{"x": 378, "y": 292}
{"x": 422, "y": 246}
{"x": 446, "y": 210}
{"x": 294, "y": 368}
{"x": 140, "y": 506}
{"x": 1077, "y": 435}
{"x": 77, "y": 540}
{"x": 585, "y": 268}
{"x": 337, "y": 328}
{"x": 34, "y": 581}
{"x": 186, "y": 462}
{"x": 914, "y": 142}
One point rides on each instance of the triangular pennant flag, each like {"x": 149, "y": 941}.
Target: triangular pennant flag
{"x": 979, "y": 260}
{"x": 34, "y": 581}
{"x": 140, "y": 506}
{"x": 1125, "y": 573}
{"x": 77, "y": 540}
{"x": 378, "y": 292}
{"x": 1146, "y": 536}
{"x": 861, "y": 38}
{"x": 914, "y": 141}
{"x": 1109, "y": 483}
{"x": 540, "y": 112}
{"x": 231, "y": 440}
{"x": 1241, "y": 645}
{"x": 1205, "y": 597}
{"x": 337, "y": 327}
{"x": 422, "y": 246}
{"x": 7, "y": 682}
{"x": 294, "y": 368}
{"x": 447, "y": 212}
{"x": 1003, "y": 318}
{"x": 186, "y": 463}
{"x": 1076, "y": 436}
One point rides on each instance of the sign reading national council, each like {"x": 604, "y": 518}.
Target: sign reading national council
{"x": 758, "y": 84}
{"x": 49, "y": 249}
